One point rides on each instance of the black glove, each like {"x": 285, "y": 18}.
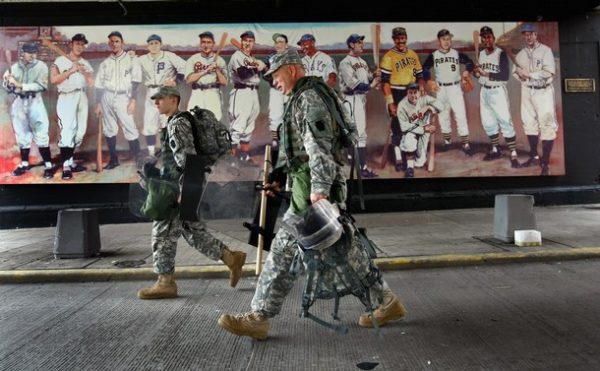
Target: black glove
{"x": 362, "y": 87}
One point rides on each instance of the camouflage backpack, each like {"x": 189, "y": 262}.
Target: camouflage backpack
{"x": 345, "y": 268}
{"x": 211, "y": 137}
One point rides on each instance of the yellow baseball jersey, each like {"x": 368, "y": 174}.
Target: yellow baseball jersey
{"x": 402, "y": 68}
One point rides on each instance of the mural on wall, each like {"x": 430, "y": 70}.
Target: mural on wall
{"x": 430, "y": 100}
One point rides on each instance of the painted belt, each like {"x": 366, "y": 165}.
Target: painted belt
{"x": 71, "y": 91}
{"x": 244, "y": 86}
{"x": 449, "y": 83}
{"x": 196, "y": 86}
{"x": 492, "y": 86}
{"x": 25, "y": 95}
{"x": 537, "y": 87}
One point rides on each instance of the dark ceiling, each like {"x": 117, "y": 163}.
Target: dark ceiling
{"x": 104, "y": 12}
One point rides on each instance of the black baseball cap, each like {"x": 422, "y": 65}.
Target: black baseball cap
{"x": 79, "y": 37}
{"x": 354, "y": 38}
{"x": 412, "y": 86}
{"x": 30, "y": 47}
{"x": 207, "y": 34}
{"x": 117, "y": 34}
{"x": 397, "y": 31}
{"x": 154, "y": 37}
{"x": 443, "y": 32}
{"x": 247, "y": 34}
{"x": 485, "y": 30}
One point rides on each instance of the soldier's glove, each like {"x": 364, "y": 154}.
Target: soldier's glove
{"x": 467, "y": 83}
{"x": 149, "y": 169}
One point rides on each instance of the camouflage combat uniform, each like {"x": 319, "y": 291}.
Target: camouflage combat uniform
{"x": 176, "y": 142}
{"x": 313, "y": 157}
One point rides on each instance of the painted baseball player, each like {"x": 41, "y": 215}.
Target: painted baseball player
{"x": 72, "y": 76}
{"x": 315, "y": 62}
{"x": 446, "y": 63}
{"x": 276, "y": 98}
{"x": 536, "y": 70}
{"x": 206, "y": 73}
{"x": 159, "y": 68}
{"x": 244, "y": 107}
{"x": 355, "y": 82}
{"x": 493, "y": 74}
{"x": 414, "y": 115}
{"x": 400, "y": 67}
{"x": 117, "y": 83}
{"x": 27, "y": 79}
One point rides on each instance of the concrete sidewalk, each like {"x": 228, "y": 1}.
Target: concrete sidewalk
{"x": 407, "y": 240}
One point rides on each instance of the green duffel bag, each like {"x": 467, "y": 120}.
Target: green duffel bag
{"x": 161, "y": 202}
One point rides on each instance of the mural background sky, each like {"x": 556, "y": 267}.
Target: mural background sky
{"x": 326, "y": 33}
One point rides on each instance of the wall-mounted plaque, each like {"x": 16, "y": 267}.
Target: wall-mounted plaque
{"x": 580, "y": 85}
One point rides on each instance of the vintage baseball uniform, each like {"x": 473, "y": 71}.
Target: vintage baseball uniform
{"x": 72, "y": 105}
{"x": 28, "y": 112}
{"x": 353, "y": 72}
{"x": 414, "y": 137}
{"x": 446, "y": 67}
{"x": 244, "y": 106}
{"x": 206, "y": 92}
{"x": 320, "y": 64}
{"x": 493, "y": 97}
{"x": 115, "y": 76}
{"x": 399, "y": 69}
{"x": 538, "y": 110}
{"x": 155, "y": 71}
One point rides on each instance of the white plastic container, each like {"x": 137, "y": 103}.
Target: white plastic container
{"x": 528, "y": 237}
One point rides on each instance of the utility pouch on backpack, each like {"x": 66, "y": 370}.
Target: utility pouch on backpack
{"x": 344, "y": 268}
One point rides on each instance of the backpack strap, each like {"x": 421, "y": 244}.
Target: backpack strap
{"x": 335, "y": 109}
{"x": 190, "y": 117}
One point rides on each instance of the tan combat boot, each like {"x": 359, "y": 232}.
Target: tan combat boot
{"x": 390, "y": 310}
{"x": 251, "y": 324}
{"x": 164, "y": 288}
{"x": 234, "y": 260}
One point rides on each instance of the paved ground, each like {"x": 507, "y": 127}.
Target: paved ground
{"x": 407, "y": 239}
{"x": 538, "y": 316}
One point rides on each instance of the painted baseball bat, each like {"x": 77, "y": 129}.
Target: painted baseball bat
{"x": 263, "y": 210}
{"x": 8, "y": 57}
{"x": 222, "y": 43}
{"x": 375, "y": 37}
{"x": 476, "y": 45}
{"x": 99, "y": 147}
{"x": 235, "y": 42}
{"x": 431, "y": 159}
{"x": 386, "y": 147}
{"x": 50, "y": 45}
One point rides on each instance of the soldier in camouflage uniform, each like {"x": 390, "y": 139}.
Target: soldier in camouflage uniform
{"x": 311, "y": 153}
{"x": 176, "y": 142}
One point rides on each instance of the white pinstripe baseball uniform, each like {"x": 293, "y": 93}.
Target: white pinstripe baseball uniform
{"x": 206, "y": 91}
